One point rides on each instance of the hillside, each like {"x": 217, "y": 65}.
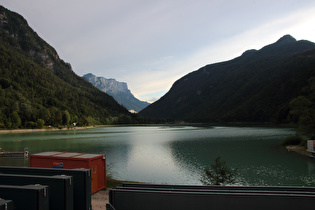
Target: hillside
{"x": 119, "y": 91}
{"x": 255, "y": 87}
{"x": 38, "y": 88}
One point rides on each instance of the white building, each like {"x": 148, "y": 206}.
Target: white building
{"x": 311, "y": 146}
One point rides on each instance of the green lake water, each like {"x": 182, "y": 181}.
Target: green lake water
{"x": 177, "y": 155}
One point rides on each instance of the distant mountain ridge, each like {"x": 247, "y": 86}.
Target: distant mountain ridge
{"x": 118, "y": 90}
{"x": 257, "y": 86}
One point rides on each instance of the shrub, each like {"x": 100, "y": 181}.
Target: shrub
{"x": 219, "y": 174}
{"x": 292, "y": 140}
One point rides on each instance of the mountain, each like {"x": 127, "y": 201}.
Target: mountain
{"x": 118, "y": 90}
{"x": 256, "y": 87}
{"x": 38, "y": 88}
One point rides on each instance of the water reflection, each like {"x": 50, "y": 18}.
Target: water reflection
{"x": 151, "y": 157}
{"x": 178, "y": 155}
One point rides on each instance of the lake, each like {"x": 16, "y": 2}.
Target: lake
{"x": 177, "y": 154}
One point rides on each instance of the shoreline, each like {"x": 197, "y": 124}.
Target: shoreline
{"x": 298, "y": 149}
{"x": 30, "y": 130}
{"x": 43, "y": 129}
{"x": 100, "y": 199}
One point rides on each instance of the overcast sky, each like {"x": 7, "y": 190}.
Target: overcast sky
{"x": 149, "y": 44}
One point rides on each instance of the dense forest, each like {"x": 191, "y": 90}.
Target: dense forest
{"x": 38, "y": 89}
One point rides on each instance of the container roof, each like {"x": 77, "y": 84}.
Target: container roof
{"x": 68, "y": 155}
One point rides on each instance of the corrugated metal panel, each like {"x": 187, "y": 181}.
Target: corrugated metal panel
{"x": 163, "y": 198}
{"x": 47, "y": 153}
{"x": 35, "y": 197}
{"x": 66, "y": 154}
{"x": 6, "y": 204}
{"x": 89, "y": 156}
{"x": 218, "y": 187}
{"x": 60, "y": 187}
{"x": 81, "y": 181}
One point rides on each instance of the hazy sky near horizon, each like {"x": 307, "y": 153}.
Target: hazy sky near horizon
{"x": 149, "y": 44}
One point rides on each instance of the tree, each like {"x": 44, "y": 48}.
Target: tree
{"x": 15, "y": 120}
{"x": 58, "y": 117}
{"x": 40, "y": 123}
{"x": 219, "y": 174}
{"x": 65, "y": 117}
{"x": 299, "y": 107}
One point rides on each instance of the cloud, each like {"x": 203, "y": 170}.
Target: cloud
{"x": 295, "y": 24}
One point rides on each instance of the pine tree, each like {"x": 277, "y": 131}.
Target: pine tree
{"x": 219, "y": 174}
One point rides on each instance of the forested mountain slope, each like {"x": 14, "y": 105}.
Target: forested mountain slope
{"x": 256, "y": 87}
{"x": 37, "y": 88}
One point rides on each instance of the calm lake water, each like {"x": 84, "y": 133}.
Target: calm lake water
{"x": 177, "y": 155}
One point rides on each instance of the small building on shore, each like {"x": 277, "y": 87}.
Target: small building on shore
{"x": 311, "y": 147}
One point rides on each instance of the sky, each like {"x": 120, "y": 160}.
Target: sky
{"x": 149, "y": 44}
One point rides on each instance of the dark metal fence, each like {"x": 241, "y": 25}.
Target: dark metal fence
{"x": 147, "y": 196}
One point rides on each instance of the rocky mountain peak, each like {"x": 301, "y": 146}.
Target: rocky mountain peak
{"x": 119, "y": 90}
{"x": 107, "y": 85}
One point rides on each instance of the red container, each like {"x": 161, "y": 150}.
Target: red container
{"x": 70, "y": 160}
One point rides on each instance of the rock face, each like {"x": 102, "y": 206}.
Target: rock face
{"x": 118, "y": 90}
{"x": 15, "y": 30}
{"x": 107, "y": 85}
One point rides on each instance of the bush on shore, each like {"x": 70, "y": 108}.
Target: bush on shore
{"x": 293, "y": 140}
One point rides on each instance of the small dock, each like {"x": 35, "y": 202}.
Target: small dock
{"x": 11, "y": 154}
{"x": 14, "y": 154}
